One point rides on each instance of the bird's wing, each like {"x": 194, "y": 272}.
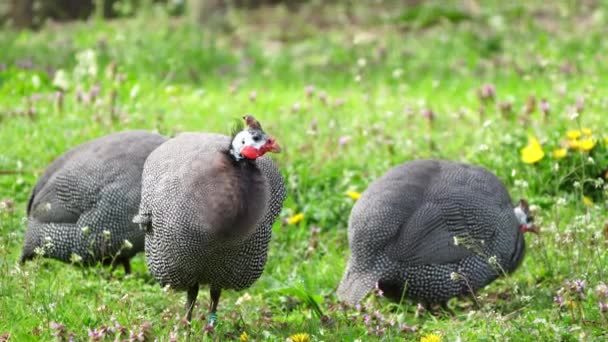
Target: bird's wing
{"x": 447, "y": 231}
{"x": 428, "y": 238}
{"x": 68, "y": 194}
{"x": 277, "y": 192}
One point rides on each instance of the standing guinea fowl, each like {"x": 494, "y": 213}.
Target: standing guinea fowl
{"x": 81, "y": 208}
{"x": 208, "y": 205}
{"x": 431, "y": 230}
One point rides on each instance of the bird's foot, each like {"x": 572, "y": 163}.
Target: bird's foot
{"x": 211, "y": 322}
{"x": 212, "y": 319}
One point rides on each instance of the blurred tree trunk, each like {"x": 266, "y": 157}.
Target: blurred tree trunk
{"x": 213, "y": 11}
{"x": 203, "y": 11}
{"x": 22, "y": 13}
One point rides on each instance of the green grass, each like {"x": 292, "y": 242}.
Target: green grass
{"x": 373, "y": 74}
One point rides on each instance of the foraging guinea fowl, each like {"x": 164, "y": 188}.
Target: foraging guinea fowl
{"x": 208, "y": 205}
{"x": 431, "y": 230}
{"x": 82, "y": 207}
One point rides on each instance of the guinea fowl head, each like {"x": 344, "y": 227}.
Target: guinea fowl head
{"x": 251, "y": 142}
{"x": 525, "y": 217}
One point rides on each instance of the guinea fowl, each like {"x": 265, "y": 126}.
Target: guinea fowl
{"x": 431, "y": 230}
{"x": 81, "y": 208}
{"x": 208, "y": 205}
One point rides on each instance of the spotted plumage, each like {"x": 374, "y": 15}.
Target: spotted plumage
{"x": 431, "y": 230}
{"x": 82, "y": 206}
{"x": 208, "y": 212}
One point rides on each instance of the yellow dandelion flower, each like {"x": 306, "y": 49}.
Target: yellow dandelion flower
{"x": 573, "y": 134}
{"x": 587, "y": 144}
{"x": 533, "y": 152}
{"x": 353, "y": 194}
{"x": 244, "y": 337}
{"x": 560, "y": 153}
{"x": 295, "y": 219}
{"x": 587, "y": 201}
{"x": 574, "y": 144}
{"x": 571, "y": 304}
{"x": 586, "y": 131}
{"x": 301, "y": 337}
{"x": 431, "y": 338}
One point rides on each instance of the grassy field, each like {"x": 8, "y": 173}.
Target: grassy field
{"x": 348, "y": 92}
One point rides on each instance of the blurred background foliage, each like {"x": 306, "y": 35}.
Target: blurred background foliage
{"x": 34, "y": 13}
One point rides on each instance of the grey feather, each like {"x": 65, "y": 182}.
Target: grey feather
{"x": 210, "y": 217}
{"x": 93, "y": 187}
{"x": 427, "y": 229}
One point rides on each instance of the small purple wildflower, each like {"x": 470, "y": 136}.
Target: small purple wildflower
{"x": 428, "y": 114}
{"x": 96, "y": 334}
{"x": 379, "y": 330}
{"x": 544, "y": 106}
{"x": 95, "y": 90}
{"x": 487, "y": 92}
{"x": 309, "y": 90}
{"x": 367, "y": 319}
{"x": 59, "y": 329}
{"x": 603, "y": 307}
{"x": 580, "y": 105}
{"x": 577, "y": 286}
{"x": 345, "y": 139}
{"x": 120, "y": 329}
{"x": 315, "y": 229}
{"x": 559, "y": 300}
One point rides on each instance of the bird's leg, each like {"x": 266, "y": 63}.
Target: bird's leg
{"x": 124, "y": 262}
{"x": 214, "y": 293}
{"x": 444, "y": 306}
{"x": 192, "y": 294}
{"x": 127, "y": 265}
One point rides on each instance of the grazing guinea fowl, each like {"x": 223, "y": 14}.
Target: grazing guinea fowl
{"x": 208, "y": 205}
{"x": 431, "y": 230}
{"x": 81, "y": 208}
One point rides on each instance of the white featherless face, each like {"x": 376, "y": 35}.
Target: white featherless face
{"x": 252, "y": 144}
{"x": 249, "y": 138}
{"x": 522, "y": 218}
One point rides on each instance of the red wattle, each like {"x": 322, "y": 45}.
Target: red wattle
{"x": 250, "y": 152}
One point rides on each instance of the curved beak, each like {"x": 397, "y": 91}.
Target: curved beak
{"x": 272, "y": 146}
{"x": 529, "y": 229}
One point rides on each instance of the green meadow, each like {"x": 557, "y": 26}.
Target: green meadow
{"x": 349, "y": 91}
